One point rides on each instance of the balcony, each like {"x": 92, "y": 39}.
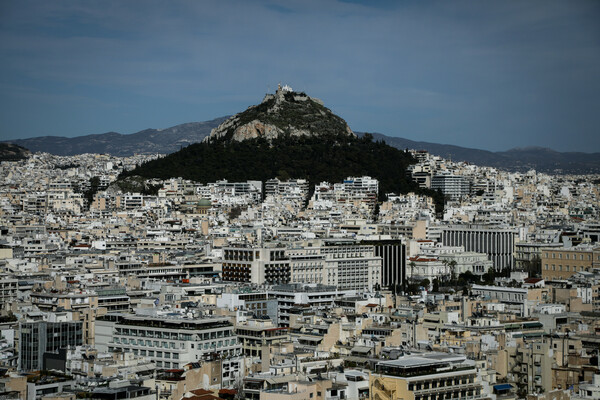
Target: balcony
{"x": 463, "y": 386}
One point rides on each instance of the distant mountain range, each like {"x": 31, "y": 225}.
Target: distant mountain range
{"x": 143, "y": 142}
{"x": 169, "y": 140}
{"x": 517, "y": 159}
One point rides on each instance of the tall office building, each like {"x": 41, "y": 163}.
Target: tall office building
{"x": 393, "y": 261}
{"x": 40, "y": 337}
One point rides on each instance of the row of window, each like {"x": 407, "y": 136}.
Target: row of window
{"x": 566, "y": 268}
{"x": 149, "y": 343}
{"x": 172, "y": 335}
{"x": 574, "y": 256}
{"x": 173, "y": 345}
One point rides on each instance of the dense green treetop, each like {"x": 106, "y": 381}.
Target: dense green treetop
{"x": 329, "y": 158}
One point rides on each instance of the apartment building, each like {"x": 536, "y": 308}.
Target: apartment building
{"x": 454, "y": 186}
{"x": 8, "y": 291}
{"x": 170, "y": 341}
{"x": 362, "y": 189}
{"x": 528, "y": 253}
{"x": 425, "y": 377}
{"x": 520, "y": 300}
{"x": 313, "y": 297}
{"x": 245, "y": 299}
{"x": 293, "y": 188}
{"x": 533, "y": 366}
{"x": 258, "y": 333}
{"x": 48, "y": 301}
{"x": 250, "y": 189}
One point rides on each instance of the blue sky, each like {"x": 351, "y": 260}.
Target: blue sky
{"x": 489, "y": 75}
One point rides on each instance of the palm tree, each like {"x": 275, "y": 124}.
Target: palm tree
{"x": 412, "y": 265}
{"x": 452, "y": 265}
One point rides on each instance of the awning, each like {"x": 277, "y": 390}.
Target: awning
{"x": 503, "y": 386}
{"x": 310, "y": 338}
{"x": 361, "y": 349}
{"x": 142, "y": 368}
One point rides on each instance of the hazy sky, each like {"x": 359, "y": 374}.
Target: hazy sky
{"x": 490, "y": 75}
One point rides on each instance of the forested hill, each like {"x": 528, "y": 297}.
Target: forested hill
{"x": 12, "y": 152}
{"x": 329, "y": 158}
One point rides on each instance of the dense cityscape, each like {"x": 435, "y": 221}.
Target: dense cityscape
{"x": 299, "y": 200}
{"x": 259, "y": 290}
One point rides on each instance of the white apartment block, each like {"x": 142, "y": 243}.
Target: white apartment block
{"x": 450, "y": 185}
{"x": 170, "y": 342}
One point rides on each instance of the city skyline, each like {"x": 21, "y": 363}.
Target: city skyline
{"x": 483, "y": 75}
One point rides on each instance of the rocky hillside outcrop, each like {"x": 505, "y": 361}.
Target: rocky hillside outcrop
{"x": 285, "y": 113}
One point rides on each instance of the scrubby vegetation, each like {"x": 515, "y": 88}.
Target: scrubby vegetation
{"x": 136, "y": 184}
